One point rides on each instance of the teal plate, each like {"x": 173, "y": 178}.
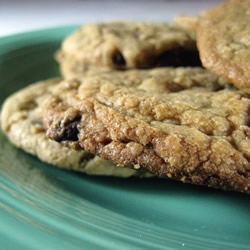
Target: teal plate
{"x": 43, "y": 207}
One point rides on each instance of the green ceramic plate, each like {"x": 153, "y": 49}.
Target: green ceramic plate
{"x": 43, "y": 207}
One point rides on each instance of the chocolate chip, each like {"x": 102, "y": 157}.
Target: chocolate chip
{"x": 177, "y": 57}
{"x": 118, "y": 59}
{"x": 70, "y": 130}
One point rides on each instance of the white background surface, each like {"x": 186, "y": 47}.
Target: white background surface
{"x": 24, "y": 15}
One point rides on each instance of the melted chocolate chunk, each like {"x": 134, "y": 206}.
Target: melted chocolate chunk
{"x": 118, "y": 59}
{"x": 179, "y": 57}
{"x": 70, "y": 130}
{"x": 176, "y": 58}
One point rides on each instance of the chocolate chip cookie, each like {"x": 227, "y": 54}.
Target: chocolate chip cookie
{"x": 223, "y": 39}
{"x": 192, "y": 132}
{"x": 126, "y": 45}
{"x": 21, "y": 121}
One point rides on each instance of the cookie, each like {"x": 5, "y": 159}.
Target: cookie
{"x": 223, "y": 39}
{"x": 173, "y": 79}
{"x": 22, "y": 123}
{"x": 70, "y": 70}
{"x": 195, "y": 133}
{"x": 188, "y": 22}
{"x": 127, "y": 45}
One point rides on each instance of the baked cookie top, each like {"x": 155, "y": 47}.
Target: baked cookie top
{"x": 130, "y": 44}
{"x": 196, "y": 133}
{"x": 223, "y": 39}
{"x": 21, "y": 121}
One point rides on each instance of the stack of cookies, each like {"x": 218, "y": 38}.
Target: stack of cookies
{"x": 169, "y": 100}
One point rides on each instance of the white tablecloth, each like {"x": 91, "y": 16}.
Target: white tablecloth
{"x": 24, "y": 15}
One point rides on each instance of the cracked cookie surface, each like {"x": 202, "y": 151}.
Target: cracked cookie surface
{"x": 195, "y": 132}
{"x": 223, "y": 39}
{"x": 21, "y": 121}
